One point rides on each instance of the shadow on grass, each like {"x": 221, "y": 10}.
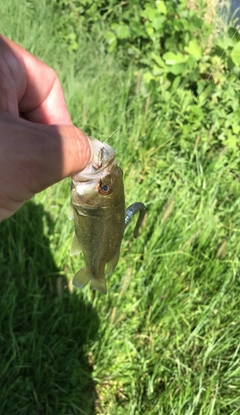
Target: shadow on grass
{"x": 44, "y": 329}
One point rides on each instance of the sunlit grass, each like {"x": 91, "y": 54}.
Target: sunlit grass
{"x": 165, "y": 339}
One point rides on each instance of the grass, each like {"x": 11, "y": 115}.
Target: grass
{"x": 165, "y": 339}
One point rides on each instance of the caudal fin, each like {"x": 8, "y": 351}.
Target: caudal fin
{"x": 82, "y": 277}
{"x": 99, "y": 285}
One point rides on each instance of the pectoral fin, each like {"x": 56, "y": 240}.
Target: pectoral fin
{"x": 75, "y": 247}
{"x": 111, "y": 265}
{"x": 70, "y": 212}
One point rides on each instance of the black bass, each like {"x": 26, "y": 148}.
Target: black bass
{"x": 98, "y": 210}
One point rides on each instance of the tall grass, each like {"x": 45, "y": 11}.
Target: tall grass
{"x": 165, "y": 339}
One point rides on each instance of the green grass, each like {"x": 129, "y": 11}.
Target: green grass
{"x": 165, "y": 339}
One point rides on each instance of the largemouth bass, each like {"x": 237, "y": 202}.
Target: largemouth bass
{"x": 98, "y": 210}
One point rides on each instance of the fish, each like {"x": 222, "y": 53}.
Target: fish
{"x": 98, "y": 209}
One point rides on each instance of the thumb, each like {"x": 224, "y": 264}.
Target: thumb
{"x": 64, "y": 150}
{"x": 35, "y": 156}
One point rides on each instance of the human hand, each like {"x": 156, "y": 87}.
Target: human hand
{"x": 39, "y": 146}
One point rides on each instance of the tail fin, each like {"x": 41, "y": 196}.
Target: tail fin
{"x": 82, "y": 277}
{"x": 99, "y": 285}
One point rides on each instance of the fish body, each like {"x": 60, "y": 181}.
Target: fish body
{"x": 98, "y": 210}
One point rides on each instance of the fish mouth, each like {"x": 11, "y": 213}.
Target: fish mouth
{"x": 100, "y": 165}
{"x": 85, "y": 187}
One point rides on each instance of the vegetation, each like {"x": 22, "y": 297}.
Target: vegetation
{"x": 165, "y": 339}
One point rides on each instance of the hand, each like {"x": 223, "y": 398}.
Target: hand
{"x": 38, "y": 143}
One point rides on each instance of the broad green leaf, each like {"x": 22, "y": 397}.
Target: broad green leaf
{"x": 158, "y": 22}
{"x": 158, "y": 60}
{"x": 156, "y": 70}
{"x": 176, "y": 82}
{"x": 235, "y": 54}
{"x": 149, "y": 12}
{"x": 197, "y": 112}
{"x": 122, "y": 30}
{"x": 177, "y": 68}
{"x": 194, "y": 49}
{"x": 148, "y": 77}
{"x": 236, "y": 128}
{"x": 161, "y": 6}
{"x": 232, "y": 141}
{"x": 111, "y": 39}
{"x": 150, "y": 30}
{"x": 173, "y": 58}
{"x": 225, "y": 43}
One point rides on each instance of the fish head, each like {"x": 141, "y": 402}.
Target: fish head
{"x": 100, "y": 184}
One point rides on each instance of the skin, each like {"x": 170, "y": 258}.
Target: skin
{"x": 39, "y": 146}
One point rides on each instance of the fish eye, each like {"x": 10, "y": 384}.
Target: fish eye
{"x": 105, "y": 189}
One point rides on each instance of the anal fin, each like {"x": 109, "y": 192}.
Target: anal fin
{"x": 70, "y": 212}
{"x": 111, "y": 265}
{"x": 81, "y": 278}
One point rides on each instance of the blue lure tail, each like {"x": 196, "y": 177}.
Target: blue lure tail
{"x": 131, "y": 211}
